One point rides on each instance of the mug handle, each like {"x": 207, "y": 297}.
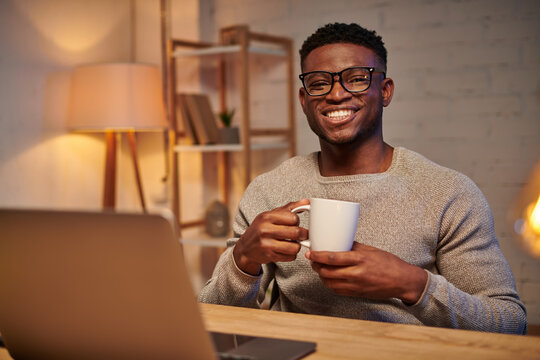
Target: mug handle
{"x": 298, "y": 210}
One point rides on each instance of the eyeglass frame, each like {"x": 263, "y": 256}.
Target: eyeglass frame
{"x": 371, "y": 70}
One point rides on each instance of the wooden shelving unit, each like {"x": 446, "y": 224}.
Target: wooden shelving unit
{"x": 236, "y": 44}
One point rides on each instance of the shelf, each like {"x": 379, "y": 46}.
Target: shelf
{"x": 228, "y": 49}
{"x": 231, "y": 58}
{"x": 230, "y": 147}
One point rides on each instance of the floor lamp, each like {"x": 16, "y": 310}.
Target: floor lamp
{"x": 117, "y": 98}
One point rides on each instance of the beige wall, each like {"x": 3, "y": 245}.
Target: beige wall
{"x": 40, "y": 163}
{"x": 39, "y": 45}
{"x": 467, "y": 88}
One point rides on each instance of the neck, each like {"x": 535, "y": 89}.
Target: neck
{"x": 351, "y": 159}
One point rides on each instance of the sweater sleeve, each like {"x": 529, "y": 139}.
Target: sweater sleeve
{"x": 229, "y": 285}
{"x": 474, "y": 288}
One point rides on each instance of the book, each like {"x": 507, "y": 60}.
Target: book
{"x": 202, "y": 118}
{"x": 183, "y": 118}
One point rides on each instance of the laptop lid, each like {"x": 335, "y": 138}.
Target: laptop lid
{"x": 104, "y": 285}
{"x": 90, "y": 285}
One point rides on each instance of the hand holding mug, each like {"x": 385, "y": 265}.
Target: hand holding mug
{"x": 268, "y": 237}
{"x": 368, "y": 272}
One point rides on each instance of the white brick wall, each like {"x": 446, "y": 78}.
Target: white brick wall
{"x": 467, "y": 88}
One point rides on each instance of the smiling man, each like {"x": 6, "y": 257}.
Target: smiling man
{"x": 425, "y": 250}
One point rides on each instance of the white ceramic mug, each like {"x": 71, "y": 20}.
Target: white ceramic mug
{"x": 332, "y": 224}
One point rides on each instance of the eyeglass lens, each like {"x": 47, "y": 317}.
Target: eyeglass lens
{"x": 354, "y": 80}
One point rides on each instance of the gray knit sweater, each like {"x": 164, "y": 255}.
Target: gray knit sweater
{"x": 427, "y": 215}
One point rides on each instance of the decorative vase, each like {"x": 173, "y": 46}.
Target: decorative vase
{"x": 229, "y": 135}
{"x": 217, "y": 219}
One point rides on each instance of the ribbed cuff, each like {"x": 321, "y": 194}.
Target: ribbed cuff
{"x": 242, "y": 271}
{"x": 424, "y": 291}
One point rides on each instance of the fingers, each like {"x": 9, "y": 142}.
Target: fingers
{"x": 282, "y": 232}
{"x": 335, "y": 272}
{"x": 280, "y": 250}
{"x": 283, "y": 258}
{"x": 341, "y": 258}
{"x": 335, "y": 258}
{"x": 266, "y": 239}
{"x": 266, "y": 251}
{"x": 285, "y": 246}
{"x": 281, "y": 247}
{"x": 296, "y": 204}
{"x": 341, "y": 280}
{"x": 280, "y": 216}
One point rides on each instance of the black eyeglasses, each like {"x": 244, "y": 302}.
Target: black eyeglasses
{"x": 354, "y": 79}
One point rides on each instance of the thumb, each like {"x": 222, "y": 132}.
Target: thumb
{"x": 295, "y": 204}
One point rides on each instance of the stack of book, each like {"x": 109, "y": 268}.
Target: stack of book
{"x": 195, "y": 113}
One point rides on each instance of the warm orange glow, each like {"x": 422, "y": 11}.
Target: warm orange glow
{"x": 533, "y": 216}
{"x": 75, "y": 26}
{"x": 525, "y": 214}
{"x": 528, "y": 227}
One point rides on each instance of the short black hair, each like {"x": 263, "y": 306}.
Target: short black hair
{"x": 343, "y": 33}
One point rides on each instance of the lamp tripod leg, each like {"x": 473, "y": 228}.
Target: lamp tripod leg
{"x": 109, "y": 184}
{"x": 133, "y": 150}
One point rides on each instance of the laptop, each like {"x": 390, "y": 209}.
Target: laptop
{"x": 104, "y": 285}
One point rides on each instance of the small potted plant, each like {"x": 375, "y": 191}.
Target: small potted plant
{"x": 229, "y": 134}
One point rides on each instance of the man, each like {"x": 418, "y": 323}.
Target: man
{"x": 425, "y": 250}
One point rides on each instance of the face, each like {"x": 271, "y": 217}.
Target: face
{"x": 341, "y": 117}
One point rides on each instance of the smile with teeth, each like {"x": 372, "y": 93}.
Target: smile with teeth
{"x": 339, "y": 114}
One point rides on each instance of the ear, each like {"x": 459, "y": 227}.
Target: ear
{"x": 387, "y": 91}
{"x": 302, "y": 97}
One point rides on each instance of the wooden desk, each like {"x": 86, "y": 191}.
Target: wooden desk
{"x": 357, "y": 339}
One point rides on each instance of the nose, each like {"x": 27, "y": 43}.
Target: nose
{"x": 338, "y": 93}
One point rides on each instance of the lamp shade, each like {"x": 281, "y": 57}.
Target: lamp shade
{"x": 117, "y": 97}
